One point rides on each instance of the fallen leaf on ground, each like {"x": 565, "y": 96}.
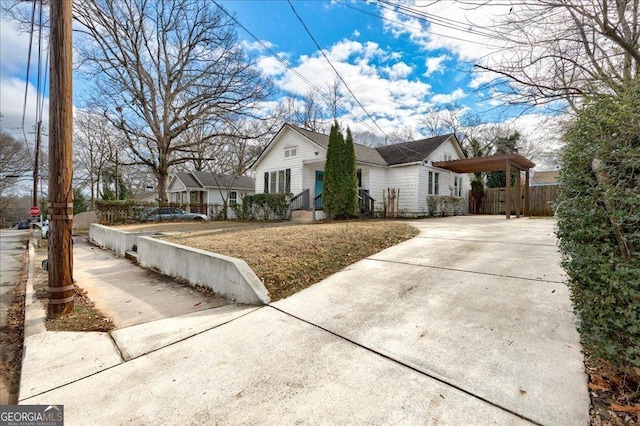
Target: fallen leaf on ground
{"x": 595, "y": 387}
{"x": 625, "y": 408}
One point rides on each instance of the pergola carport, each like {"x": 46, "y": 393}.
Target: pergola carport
{"x": 496, "y": 163}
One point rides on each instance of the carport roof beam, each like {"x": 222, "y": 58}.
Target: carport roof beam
{"x": 493, "y": 163}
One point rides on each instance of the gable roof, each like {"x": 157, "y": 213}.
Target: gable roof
{"x": 210, "y": 180}
{"x": 411, "y": 152}
{"x": 188, "y": 180}
{"x": 408, "y": 152}
{"x": 224, "y": 181}
{"x": 364, "y": 154}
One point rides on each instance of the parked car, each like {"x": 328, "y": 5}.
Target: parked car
{"x": 24, "y": 225}
{"x": 44, "y": 229}
{"x": 172, "y": 213}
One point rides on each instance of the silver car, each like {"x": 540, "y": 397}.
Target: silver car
{"x": 173, "y": 214}
{"x": 44, "y": 229}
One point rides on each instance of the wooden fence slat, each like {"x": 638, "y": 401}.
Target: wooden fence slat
{"x": 541, "y": 199}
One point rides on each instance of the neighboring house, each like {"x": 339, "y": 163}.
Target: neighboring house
{"x": 294, "y": 162}
{"x": 209, "y": 189}
{"x": 147, "y": 197}
{"x": 541, "y": 178}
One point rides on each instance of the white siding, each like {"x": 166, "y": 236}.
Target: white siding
{"x": 215, "y": 196}
{"x": 275, "y": 160}
{"x": 446, "y": 182}
{"x": 447, "y": 148}
{"x": 404, "y": 178}
{"x": 374, "y": 178}
{"x": 176, "y": 186}
{"x": 423, "y": 188}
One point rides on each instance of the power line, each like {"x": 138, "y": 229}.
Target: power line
{"x": 335, "y": 70}
{"x": 290, "y": 68}
{"x": 435, "y": 19}
{"x": 26, "y": 84}
{"x": 404, "y": 24}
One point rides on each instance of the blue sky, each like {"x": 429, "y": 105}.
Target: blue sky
{"x": 397, "y": 66}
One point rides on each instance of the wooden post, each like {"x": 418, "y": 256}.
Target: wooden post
{"x": 518, "y": 194}
{"x": 36, "y": 167}
{"x": 60, "y": 162}
{"x": 507, "y": 197}
{"x": 527, "y": 194}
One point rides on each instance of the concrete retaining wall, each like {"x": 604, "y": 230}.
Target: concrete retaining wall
{"x": 227, "y": 276}
{"x": 114, "y": 239}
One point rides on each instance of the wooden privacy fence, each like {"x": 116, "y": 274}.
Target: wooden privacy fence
{"x": 542, "y": 199}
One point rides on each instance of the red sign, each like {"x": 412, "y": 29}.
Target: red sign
{"x": 34, "y": 211}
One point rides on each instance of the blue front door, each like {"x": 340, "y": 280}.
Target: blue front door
{"x": 319, "y": 205}
{"x": 319, "y": 180}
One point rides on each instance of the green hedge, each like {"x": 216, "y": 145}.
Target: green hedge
{"x": 122, "y": 211}
{"x": 598, "y": 216}
{"x": 265, "y": 206}
{"x": 445, "y": 205}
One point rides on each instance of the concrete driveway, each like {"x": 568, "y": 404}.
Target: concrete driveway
{"x": 468, "y": 323}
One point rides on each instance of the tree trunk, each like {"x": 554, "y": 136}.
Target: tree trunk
{"x": 163, "y": 184}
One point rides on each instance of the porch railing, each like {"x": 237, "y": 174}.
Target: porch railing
{"x": 318, "y": 204}
{"x": 366, "y": 203}
{"x": 300, "y": 201}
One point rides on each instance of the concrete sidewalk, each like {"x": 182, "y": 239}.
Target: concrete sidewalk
{"x": 468, "y": 323}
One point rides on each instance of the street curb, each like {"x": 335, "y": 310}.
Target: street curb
{"x": 34, "y": 312}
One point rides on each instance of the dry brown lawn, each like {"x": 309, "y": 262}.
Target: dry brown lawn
{"x": 291, "y": 258}
{"x": 186, "y": 226}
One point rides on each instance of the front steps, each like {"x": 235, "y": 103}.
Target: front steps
{"x": 302, "y": 216}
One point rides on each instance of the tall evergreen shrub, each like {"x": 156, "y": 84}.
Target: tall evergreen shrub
{"x": 351, "y": 207}
{"x": 598, "y": 216}
{"x": 333, "y": 173}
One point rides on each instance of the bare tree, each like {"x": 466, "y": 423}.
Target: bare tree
{"x": 14, "y": 161}
{"x": 95, "y": 145}
{"x": 306, "y": 111}
{"x": 564, "y": 49}
{"x": 159, "y": 67}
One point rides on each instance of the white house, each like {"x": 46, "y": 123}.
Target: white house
{"x": 294, "y": 162}
{"x": 209, "y": 189}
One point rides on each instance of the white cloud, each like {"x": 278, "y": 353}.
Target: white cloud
{"x": 14, "y": 48}
{"x": 270, "y": 66}
{"x": 12, "y": 104}
{"x": 462, "y": 32}
{"x": 356, "y": 33}
{"x": 398, "y": 70}
{"x": 435, "y": 64}
{"x": 255, "y": 45}
{"x": 448, "y": 98}
{"x": 384, "y": 90}
{"x": 480, "y": 78}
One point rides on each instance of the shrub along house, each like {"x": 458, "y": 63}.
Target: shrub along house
{"x": 206, "y": 193}
{"x": 293, "y": 162}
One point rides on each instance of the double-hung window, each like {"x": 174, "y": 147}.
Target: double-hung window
{"x": 457, "y": 186}
{"x": 233, "y": 198}
{"x": 434, "y": 183}
{"x": 277, "y": 181}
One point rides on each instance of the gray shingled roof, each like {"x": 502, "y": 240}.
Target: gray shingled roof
{"x": 224, "y": 181}
{"x": 411, "y": 152}
{"x": 364, "y": 154}
{"x": 188, "y": 180}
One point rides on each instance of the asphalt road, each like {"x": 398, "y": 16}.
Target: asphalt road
{"x": 13, "y": 261}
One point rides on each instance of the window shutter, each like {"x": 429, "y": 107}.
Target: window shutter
{"x": 266, "y": 182}
{"x": 287, "y": 180}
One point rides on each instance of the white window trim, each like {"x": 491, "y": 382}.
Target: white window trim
{"x": 290, "y": 151}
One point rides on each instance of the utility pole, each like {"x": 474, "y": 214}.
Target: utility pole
{"x": 60, "y": 162}
{"x": 36, "y": 168}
